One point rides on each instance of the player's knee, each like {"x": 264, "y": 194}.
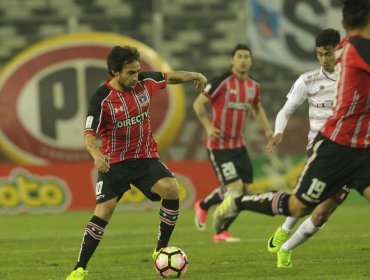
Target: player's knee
{"x": 321, "y": 215}
{"x": 318, "y": 220}
{"x": 238, "y": 185}
{"x": 366, "y": 192}
{"x": 168, "y": 189}
{"x": 104, "y": 211}
{"x": 297, "y": 209}
{"x": 298, "y": 213}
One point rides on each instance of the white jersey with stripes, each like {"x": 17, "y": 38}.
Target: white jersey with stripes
{"x": 318, "y": 88}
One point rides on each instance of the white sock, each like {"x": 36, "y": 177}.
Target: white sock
{"x": 303, "y": 233}
{"x": 289, "y": 224}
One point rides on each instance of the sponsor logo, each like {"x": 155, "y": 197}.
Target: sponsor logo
{"x": 258, "y": 197}
{"x": 23, "y": 192}
{"x": 89, "y": 121}
{"x": 132, "y": 121}
{"x": 325, "y": 104}
{"x": 238, "y": 105}
{"x": 120, "y": 109}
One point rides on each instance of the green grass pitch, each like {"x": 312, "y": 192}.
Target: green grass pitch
{"x": 39, "y": 247}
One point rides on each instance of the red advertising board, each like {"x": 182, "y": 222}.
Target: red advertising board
{"x": 59, "y": 187}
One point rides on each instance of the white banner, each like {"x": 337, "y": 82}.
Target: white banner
{"x": 283, "y": 31}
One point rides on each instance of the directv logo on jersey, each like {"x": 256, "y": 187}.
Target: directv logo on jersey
{"x": 131, "y": 121}
{"x": 238, "y": 105}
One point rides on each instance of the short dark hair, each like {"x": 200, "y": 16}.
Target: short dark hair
{"x": 119, "y": 56}
{"x": 327, "y": 37}
{"x": 356, "y": 13}
{"x": 241, "y": 47}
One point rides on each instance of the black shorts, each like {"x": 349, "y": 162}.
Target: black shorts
{"x": 231, "y": 165}
{"x": 362, "y": 181}
{"x": 331, "y": 167}
{"x": 340, "y": 196}
{"x": 142, "y": 173}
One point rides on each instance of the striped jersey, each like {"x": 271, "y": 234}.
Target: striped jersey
{"x": 350, "y": 123}
{"x": 231, "y": 98}
{"x": 318, "y": 88}
{"x": 122, "y": 119}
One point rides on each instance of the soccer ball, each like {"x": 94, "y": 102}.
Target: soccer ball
{"x": 171, "y": 262}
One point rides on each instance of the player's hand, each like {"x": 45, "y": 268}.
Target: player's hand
{"x": 200, "y": 82}
{"x": 213, "y": 133}
{"x": 101, "y": 162}
{"x": 274, "y": 141}
{"x": 269, "y": 135}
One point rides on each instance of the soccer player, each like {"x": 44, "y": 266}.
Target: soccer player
{"x": 341, "y": 151}
{"x": 318, "y": 88}
{"x": 119, "y": 114}
{"x": 230, "y": 97}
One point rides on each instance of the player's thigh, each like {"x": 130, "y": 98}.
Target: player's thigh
{"x": 329, "y": 168}
{"x": 112, "y": 184}
{"x": 155, "y": 180}
{"x": 224, "y": 164}
{"x": 297, "y": 208}
{"x": 244, "y": 165}
{"x": 361, "y": 181}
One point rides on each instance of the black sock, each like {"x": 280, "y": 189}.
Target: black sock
{"x": 168, "y": 216}
{"x": 93, "y": 234}
{"x": 215, "y": 197}
{"x": 228, "y": 222}
{"x": 271, "y": 203}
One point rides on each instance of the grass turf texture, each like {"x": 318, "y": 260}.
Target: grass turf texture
{"x": 46, "y": 247}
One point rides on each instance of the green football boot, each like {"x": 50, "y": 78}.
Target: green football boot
{"x": 277, "y": 240}
{"x": 78, "y": 274}
{"x": 227, "y": 209}
{"x": 284, "y": 258}
{"x": 155, "y": 254}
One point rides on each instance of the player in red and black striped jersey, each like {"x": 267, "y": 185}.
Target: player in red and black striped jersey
{"x": 113, "y": 114}
{"x": 341, "y": 152}
{"x": 230, "y": 96}
{"x": 119, "y": 114}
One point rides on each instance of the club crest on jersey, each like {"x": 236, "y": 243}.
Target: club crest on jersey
{"x": 250, "y": 93}
{"x": 143, "y": 98}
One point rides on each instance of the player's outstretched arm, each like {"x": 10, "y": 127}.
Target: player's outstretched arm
{"x": 179, "y": 77}
{"x": 281, "y": 121}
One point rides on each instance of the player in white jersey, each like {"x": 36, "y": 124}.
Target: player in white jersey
{"x": 318, "y": 88}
